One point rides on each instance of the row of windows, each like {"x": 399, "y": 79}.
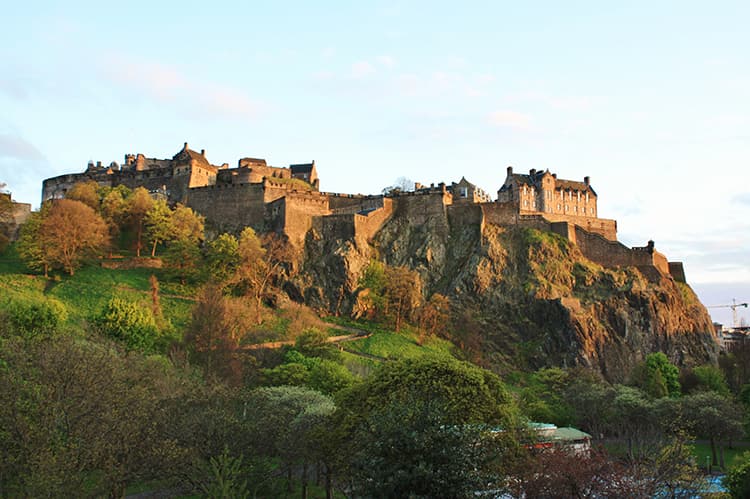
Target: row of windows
{"x": 560, "y": 207}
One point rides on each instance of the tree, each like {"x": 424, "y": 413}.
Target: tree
{"x": 434, "y": 315}
{"x": 69, "y": 232}
{"x": 703, "y": 378}
{"x": 402, "y": 292}
{"x": 214, "y": 334}
{"x": 223, "y": 256}
{"x": 139, "y": 203}
{"x": 291, "y": 422}
{"x": 187, "y": 225}
{"x": 31, "y": 246}
{"x": 6, "y": 217}
{"x": 737, "y": 481}
{"x": 657, "y": 376}
{"x": 86, "y": 192}
{"x": 183, "y": 258}
{"x": 158, "y": 221}
{"x": 114, "y": 209}
{"x": 258, "y": 265}
{"x": 714, "y": 417}
{"x": 408, "y": 448}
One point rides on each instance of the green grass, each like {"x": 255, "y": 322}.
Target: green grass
{"x": 86, "y": 292}
{"x": 403, "y": 345}
{"x": 702, "y": 450}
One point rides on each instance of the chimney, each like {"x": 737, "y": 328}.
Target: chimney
{"x": 554, "y": 175}
{"x": 98, "y": 164}
{"x": 510, "y": 171}
{"x": 587, "y": 180}
{"x": 203, "y": 153}
{"x": 185, "y": 147}
{"x": 532, "y": 172}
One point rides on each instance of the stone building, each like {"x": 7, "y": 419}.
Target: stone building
{"x": 288, "y": 200}
{"x": 542, "y": 193}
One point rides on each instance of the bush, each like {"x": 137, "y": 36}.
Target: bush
{"x": 40, "y": 317}
{"x": 128, "y": 322}
{"x": 737, "y": 481}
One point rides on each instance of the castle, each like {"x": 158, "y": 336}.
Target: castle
{"x": 288, "y": 200}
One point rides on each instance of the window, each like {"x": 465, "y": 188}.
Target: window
{"x": 584, "y": 210}
{"x": 566, "y": 207}
{"x": 558, "y": 206}
{"x": 464, "y": 192}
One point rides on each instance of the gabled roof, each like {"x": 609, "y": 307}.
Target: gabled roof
{"x": 186, "y": 154}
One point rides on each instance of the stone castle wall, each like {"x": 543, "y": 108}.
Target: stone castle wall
{"x": 228, "y": 207}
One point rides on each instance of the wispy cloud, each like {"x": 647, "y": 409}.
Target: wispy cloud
{"x": 168, "y": 85}
{"x": 386, "y": 61}
{"x": 362, "y": 69}
{"x": 510, "y": 119}
{"x": 15, "y": 147}
{"x": 743, "y": 198}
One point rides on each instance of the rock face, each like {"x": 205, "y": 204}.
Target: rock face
{"x": 529, "y": 298}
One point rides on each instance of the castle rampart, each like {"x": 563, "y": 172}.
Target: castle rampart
{"x": 288, "y": 200}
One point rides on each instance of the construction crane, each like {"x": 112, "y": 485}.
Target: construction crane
{"x": 734, "y": 306}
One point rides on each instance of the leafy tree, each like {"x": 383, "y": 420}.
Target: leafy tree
{"x": 703, "y": 378}
{"x": 214, "y": 335}
{"x": 78, "y": 418}
{"x": 714, "y": 417}
{"x": 434, "y": 315}
{"x": 226, "y": 481}
{"x": 114, "y": 209}
{"x": 223, "y": 256}
{"x": 69, "y": 232}
{"x": 86, "y": 192}
{"x": 187, "y": 225}
{"x": 183, "y": 259}
{"x": 258, "y": 265}
{"x": 409, "y": 448}
{"x": 6, "y": 217}
{"x": 403, "y": 293}
{"x": 737, "y": 480}
{"x": 404, "y": 406}
{"x": 31, "y": 246}
{"x": 138, "y": 205}
{"x": 657, "y": 376}
{"x": 591, "y": 400}
{"x": 290, "y": 422}
{"x": 128, "y": 322}
{"x": 158, "y": 221}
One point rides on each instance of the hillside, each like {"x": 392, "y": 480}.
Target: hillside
{"x": 521, "y": 298}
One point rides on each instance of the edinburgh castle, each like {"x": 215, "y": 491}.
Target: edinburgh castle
{"x": 288, "y": 200}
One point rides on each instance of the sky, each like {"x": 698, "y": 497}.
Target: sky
{"x": 649, "y": 99}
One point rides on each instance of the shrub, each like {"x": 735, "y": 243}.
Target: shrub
{"x": 128, "y": 322}
{"x": 40, "y": 317}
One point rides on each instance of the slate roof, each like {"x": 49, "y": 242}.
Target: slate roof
{"x": 535, "y": 179}
{"x": 186, "y": 154}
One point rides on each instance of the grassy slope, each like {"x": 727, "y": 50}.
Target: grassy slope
{"x": 86, "y": 293}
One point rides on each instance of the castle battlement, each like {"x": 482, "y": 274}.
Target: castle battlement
{"x": 272, "y": 198}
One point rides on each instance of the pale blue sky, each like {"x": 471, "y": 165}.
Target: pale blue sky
{"x": 650, "y": 99}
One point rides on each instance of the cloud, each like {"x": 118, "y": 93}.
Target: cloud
{"x": 362, "y": 69}
{"x": 574, "y": 103}
{"x": 386, "y": 60}
{"x": 743, "y": 198}
{"x": 168, "y": 85}
{"x": 14, "y": 147}
{"x": 510, "y": 119}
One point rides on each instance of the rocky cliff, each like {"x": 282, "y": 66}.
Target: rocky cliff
{"x": 528, "y": 298}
